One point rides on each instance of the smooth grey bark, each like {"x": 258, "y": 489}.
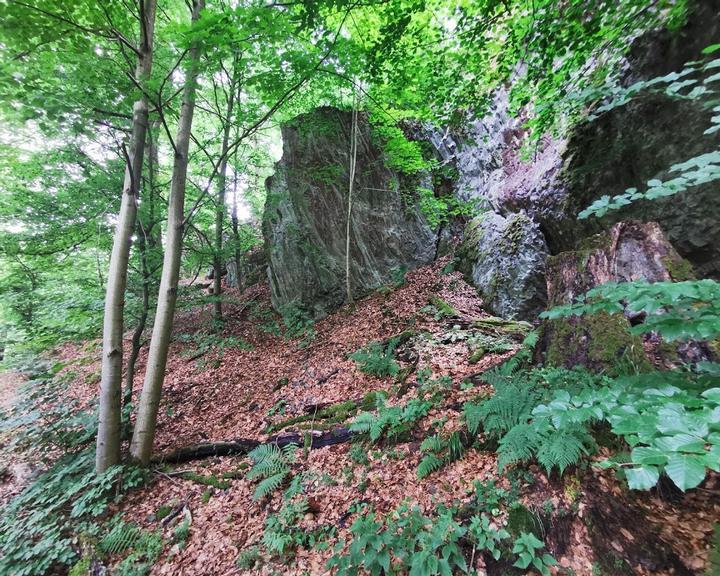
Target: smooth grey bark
{"x": 236, "y": 226}
{"x": 144, "y": 431}
{"x": 109, "y": 433}
{"x": 148, "y": 242}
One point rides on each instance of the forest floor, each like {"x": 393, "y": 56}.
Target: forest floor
{"x": 15, "y": 472}
{"x": 251, "y": 380}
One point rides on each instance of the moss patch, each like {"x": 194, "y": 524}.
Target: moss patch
{"x": 444, "y": 309}
{"x": 515, "y": 233}
{"x": 679, "y": 269}
{"x": 600, "y": 342}
{"x": 329, "y": 416}
{"x": 522, "y": 519}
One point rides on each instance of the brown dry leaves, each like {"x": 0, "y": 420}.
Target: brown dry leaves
{"x": 228, "y": 396}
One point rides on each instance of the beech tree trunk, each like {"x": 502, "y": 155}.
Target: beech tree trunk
{"x": 144, "y": 432}
{"x": 236, "y": 226}
{"x": 109, "y": 433}
{"x": 220, "y": 209}
{"x": 148, "y": 242}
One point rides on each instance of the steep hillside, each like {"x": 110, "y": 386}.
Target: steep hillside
{"x": 248, "y": 383}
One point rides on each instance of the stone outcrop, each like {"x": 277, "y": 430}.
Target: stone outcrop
{"x": 623, "y": 148}
{"x": 305, "y": 215}
{"x": 505, "y": 259}
{"x": 532, "y": 199}
{"x": 628, "y": 251}
{"x": 253, "y": 269}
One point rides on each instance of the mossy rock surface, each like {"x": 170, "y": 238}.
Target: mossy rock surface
{"x": 504, "y": 258}
{"x": 600, "y": 342}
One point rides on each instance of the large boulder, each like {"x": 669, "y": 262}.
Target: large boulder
{"x": 504, "y": 257}
{"x": 305, "y": 217}
{"x": 628, "y": 251}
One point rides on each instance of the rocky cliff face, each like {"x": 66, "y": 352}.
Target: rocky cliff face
{"x": 505, "y": 259}
{"x": 623, "y": 148}
{"x": 627, "y": 252}
{"x": 533, "y": 203}
{"x": 306, "y": 214}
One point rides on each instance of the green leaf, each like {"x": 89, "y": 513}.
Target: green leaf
{"x": 685, "y": 470}
{"x": 710, "y": 49}
{"x": 712, "y": 394}
{"x": 679, "y": 443}
{"x": 647, "y": 456}
{"x": 642, "y": 478}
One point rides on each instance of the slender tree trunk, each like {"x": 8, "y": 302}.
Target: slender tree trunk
{"x": 220, "y": 209}
{"x": 108, "y": 438}
{"x": 144, "y": 432}
{"x": 140, "y": 327}
{"x": 235, "y": 225}
{"x": 147, "y": 242}
{"x": 353, "y": 164}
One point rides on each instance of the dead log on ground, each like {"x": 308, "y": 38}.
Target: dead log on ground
{"x": 311, "y": 439}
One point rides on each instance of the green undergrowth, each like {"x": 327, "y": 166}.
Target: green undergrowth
{"x": 391, "y": 423}
{"x": 445, "y": 540}
{"x": 668, "y": 422}
{"x": 211, "y": 480}
{"x": 62, "y": 519}
{"x": 273, "y": 469}
{"x": 377, "y": 359}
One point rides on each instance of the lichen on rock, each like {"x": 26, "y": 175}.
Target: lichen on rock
{"x": 504, "y": 258}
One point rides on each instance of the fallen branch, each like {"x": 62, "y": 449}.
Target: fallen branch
{"x": 310, "y": 439}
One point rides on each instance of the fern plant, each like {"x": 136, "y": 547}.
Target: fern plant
{"x": 524, "y": 433}
{"x": 390, "y": 422}
{"x": 271, "y": 465}
{"x": 377, "y": 360}
{"x": 550, "y": 446}
{"x": 438, "y": 452}
{"x": 122, "y": 536}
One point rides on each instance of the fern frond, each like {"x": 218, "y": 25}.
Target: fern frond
{"x": 276, "y": 542}
{"x": 122, "y": 537}
{"x": 267, "y": 468}
{"x": 432, "y": 443}
{"x": 429, "y": 464}
{"x": 473, "y": 417}
{"x": 269, "y": 485}
{"x": 512, "y": 404}
{"x": 562, "y": 448}
{"x": 295, "y": 488}
{"x": 378, "y": 425}
{"x": 289, "y": 452}
{"x": 518, "y": 445}
{"x": 363, "y": 422}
